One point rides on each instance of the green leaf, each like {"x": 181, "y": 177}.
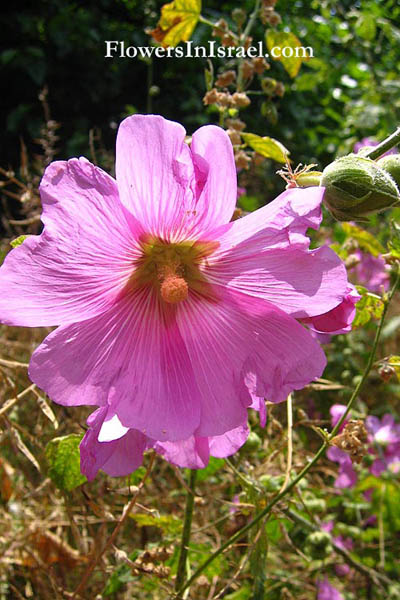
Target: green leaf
{"x": 19, "y": 240}
{"x": 169, "y": 524}
{"x": 273, "y": 530}
{"x": 62, "y": 454}
{"x": 365, "y": 26}
{"x": 178, "y": 19}
{"x": 282, "y": 39}
{"x": 244, "y": 593}
{"x": 368, "y": 307}
{"x": 266, "y": 146}
{"x": 214, "y": 465}
{"x": 365, "y": 240}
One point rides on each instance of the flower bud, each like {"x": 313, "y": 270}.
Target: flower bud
{"x": 239, "y": 16}
{"x": 356, "y": 187}
{"x": 253, "y": 443}
{"x": 391, "y": 164}
{"x": 318, "y": 545}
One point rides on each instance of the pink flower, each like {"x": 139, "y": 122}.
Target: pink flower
{"x": 347, "y": 476}
{"x": 337, "y": 411}
{"x": 171, "y": 318}
{"x": 372, "y": 272}
{"x": 384, "y": 437}
{"x": 326, "y": 591}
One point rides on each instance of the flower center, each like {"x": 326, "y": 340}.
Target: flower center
{"x": 172, "y": 268}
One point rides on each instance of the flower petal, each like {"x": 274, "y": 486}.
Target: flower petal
{"x": 234, "y": 336}
{"x": 265, "y": 254}
{"x": 132, "y": 358}
{"x": 175, "y": 191}
{"x": 227, "y": 444}
{"x": 117, "y": 458}
{"x": 80, "y": 263}
{"x": 339, "y": 319}
{"x": 192, "y": 453}
{"x": 214, "y": 164}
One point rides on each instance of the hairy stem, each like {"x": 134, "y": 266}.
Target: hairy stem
{"x": 187, "y": 526}
{"x": 384, "y": 146}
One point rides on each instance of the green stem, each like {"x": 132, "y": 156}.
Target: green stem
{"x": 245, "y": 34}
{"x": 207, "y": 22}
{"x": 384, "y": 146}
{"x": 187, "y": 526}
{"x": 240, "y": 533}
{"x": 252, "y": 19}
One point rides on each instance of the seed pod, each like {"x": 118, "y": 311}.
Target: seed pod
{"x": 356, "y": 187}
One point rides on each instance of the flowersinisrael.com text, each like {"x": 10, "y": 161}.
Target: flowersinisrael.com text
{"x": 115, "y": 49}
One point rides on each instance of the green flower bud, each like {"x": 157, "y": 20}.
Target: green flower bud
{"x": 309, "y": 179}
{"x": 268, "y": 85}
{"x": 271, "y": 483}
{"x": 391, "y": 164}
{"x": 315, "y": 505}
{"x": 253, "y": 443}
{"x": 356, "y": 187}
{"x": 318, "y": 545}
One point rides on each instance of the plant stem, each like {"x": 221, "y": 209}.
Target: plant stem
{"x": 244, "y": 35}
{"x": 384, "y": 146}
{"x": 187, "y": 526}
{"x": 239, "y": 534}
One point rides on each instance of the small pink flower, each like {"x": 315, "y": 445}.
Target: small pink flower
{"x": 326, "y": 591}
{"x": 372, "y": 272}
{"x": 171, "y": 318}
{"x": 347, "y": 477}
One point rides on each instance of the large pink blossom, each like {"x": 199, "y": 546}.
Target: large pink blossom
{"x": 171, "y": 318}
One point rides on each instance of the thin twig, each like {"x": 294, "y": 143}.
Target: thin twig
{"x": 9, "y": 403}
{"x": 13, "y": 364}
{"x": 290, "y": 441}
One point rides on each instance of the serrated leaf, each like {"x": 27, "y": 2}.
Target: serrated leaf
{"x": 365, "y": 240}
{"x": 368, "y": 307}
{"x": 18, "y": 241}
{"x": 365, "y": 26}
{"x": 283, "y": 39}
{"x": 63, "y": 461}
{"x": 178, "y": 19}
{"x": 266, "y": 146}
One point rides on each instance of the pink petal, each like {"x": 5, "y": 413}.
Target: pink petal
{"x": 133, "y": 358}
{"x": 80, "y": 263}
{"x": 175, "y": 191}
{"x": 214, "y": 164}
{"x": 238, "y": 335}
{"x": 339, "y": 319}
{"x": 227, "y": 444}
{"x": 192, "y": 453}
{"x": 265, "y": 254}
{"x": 117, "y": 458}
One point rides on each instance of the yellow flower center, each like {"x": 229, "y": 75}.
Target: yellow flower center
{"x": 172, "y": 268}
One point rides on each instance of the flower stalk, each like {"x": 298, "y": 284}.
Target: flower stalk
{"x": 384, "y": 146}
{"x": 187, "y": 526}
